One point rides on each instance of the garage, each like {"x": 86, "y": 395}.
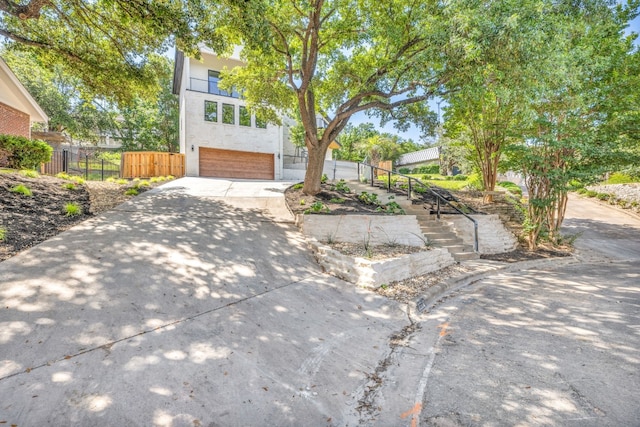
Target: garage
{"x": 219, "y": 163}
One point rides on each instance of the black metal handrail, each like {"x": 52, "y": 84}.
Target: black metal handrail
{"x": 428, "y": 187}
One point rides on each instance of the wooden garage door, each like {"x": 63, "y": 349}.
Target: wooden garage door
{"x": 235, "y": 164}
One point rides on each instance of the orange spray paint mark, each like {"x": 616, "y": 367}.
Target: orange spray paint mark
{"x": 413, "y": 412}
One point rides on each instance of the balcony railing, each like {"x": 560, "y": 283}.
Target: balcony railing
{"x": 210, "y": 86}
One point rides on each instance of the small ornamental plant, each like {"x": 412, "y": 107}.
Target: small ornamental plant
{"x": 22, "y": 189}
{"x": 72, "y": 209}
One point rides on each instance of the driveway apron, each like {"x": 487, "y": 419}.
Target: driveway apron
{"x": 196, "y": 303}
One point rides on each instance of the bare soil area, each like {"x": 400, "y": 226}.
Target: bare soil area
{"x": 26, "y": 220}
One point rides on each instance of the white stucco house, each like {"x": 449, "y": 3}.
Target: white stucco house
{"x": 219, "y": 136}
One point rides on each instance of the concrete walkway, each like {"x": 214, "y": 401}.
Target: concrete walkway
{"x": 183, "y": 307}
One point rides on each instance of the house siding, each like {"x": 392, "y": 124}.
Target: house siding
{"x": 14, "y": 122}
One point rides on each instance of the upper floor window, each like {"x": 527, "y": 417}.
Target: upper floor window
{"x": 211, "y": 111}
{"x": 214, "y": 79}
{"x": 260, "y": 123}
{"x": 245, "y": 116}
{"x": 228, "y": 114}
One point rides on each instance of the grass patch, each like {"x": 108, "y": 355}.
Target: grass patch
{"x": 72, "y": 209}
{"x": 22, "y": 189}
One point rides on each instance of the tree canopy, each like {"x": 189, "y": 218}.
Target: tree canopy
{"x": 106, "y": 43}
{"x": 337, "y": 58}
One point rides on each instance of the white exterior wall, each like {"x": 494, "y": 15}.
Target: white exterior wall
{"x": 196, "y": 132}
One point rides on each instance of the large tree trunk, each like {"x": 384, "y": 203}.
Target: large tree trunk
{"x": 315, "y": 166}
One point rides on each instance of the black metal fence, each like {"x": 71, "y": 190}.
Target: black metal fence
{"x": 87, "y": 165}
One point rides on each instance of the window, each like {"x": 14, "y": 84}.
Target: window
{"x": 245, "y": 117}
{"x": 211, "y": 111}
{"x": 228, "y": 114}
{"x": 260, "y": 123}
{"x": 214, "y": 79}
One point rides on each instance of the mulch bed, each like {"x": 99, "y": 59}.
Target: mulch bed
{"x": 29, "y": 220}
{"x": 337, "y": 202}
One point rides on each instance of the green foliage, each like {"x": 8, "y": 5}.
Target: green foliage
{"x": 337, "y": 200}
{"x": 428, "y": 169}
{"x": 369, "y": 198}
{"x": 72, "y": 209}
{"x": 3, "y": 233}
{"x": 106, "y": 44}
{"x": 324, "y": 178}
{"x": 21, "y": 189}
{"x": 474, "y": 182}
{"x": 297, "y": 186}
{"x": 581, "y": 190}
{"x": 512, "y": 187}
{"x": 341, "y": 187}
{"x": 404, "y": 171}
{"x": 620, "y": 178}
{"x": 24, "y": 153}
{"x": 69, "y": 186}
{"x": 603, "y": 196}
{"x": 591, "y": 193}
{"x": 317, "y": 207}
{"x": 392, "y": 208}
{"x": 29, "y": 173}
{"x": 131, "y": 192}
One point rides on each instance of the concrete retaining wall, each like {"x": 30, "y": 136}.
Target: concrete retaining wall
{"x": 493, "y": 237}
{"x": 370, "y": 273}
{"x": 376, "y": 229}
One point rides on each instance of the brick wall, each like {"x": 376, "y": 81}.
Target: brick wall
{"x": 14, "y": 122}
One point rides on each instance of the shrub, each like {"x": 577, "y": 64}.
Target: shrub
{"x": 131, "y": 192}
{"x": 72, "y": 209}
{"x": 426, "y": 177}
{"x": 591, "y": 193}
{"x": 22, "y": 189}
{"x": 581, "y": 190}
{"x": 460, "y": 177}
{"x": 324, "y": 178}
{"x": 474, "y": 182}
{"x": 69, "y": 186}
{"x": 297, "y": 186}
{"x": 512, "y": 187}
{"x": 602, "y": 196}
{"x": 3, "y": 233}
{"x": 619, "y": 178}
{"x": 63, "y": 175}
{"x": 29, "y": 173}
{"x": 24, "y": 153}
{"x": 404, "y": 171}
{"x": 341, "y": 187}
{"x": 433, "y": 169}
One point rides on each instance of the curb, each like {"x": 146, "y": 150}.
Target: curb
{"x": 430, "y": 297}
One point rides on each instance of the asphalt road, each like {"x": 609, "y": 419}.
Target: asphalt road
{"x": 553, "y": 346}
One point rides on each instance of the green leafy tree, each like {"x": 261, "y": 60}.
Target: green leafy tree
{"x": 499, "y": 44}
{"x": 351, "y": 137}
{"x": 339, "y": 57}
{"x": 106, "y": 43}
{"x": 571, "y": 135}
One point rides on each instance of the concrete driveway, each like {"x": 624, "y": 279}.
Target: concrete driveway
{"x": 185, "y": 307}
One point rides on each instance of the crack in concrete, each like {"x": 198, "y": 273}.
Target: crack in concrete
{"x": 367, "y": 407}
{"x": 107, "y": 346}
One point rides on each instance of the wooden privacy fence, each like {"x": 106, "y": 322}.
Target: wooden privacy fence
{"x": 147, "y": 164}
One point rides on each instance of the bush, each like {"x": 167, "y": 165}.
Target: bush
{"x": 581, "y": 190}
{"x": 24, "y": 153}
{"x": 619, "y": 178}
{"x": 602, "y": 196}
{"x": 460, "y": 177}
{"x": 591, "y": 193}
{"x": 475, "y": 182}
{"x": 433, "y": 169}
{"x": 404, "y": 171}
{"x": 512, "y": 187}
